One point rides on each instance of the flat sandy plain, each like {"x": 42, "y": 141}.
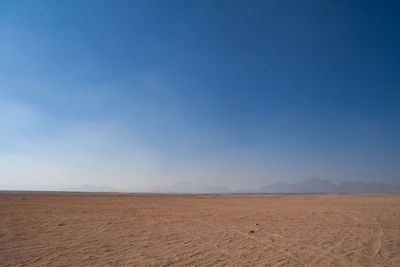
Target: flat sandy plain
{"x": 77, "y": 229}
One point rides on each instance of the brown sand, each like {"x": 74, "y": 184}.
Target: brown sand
{"x": 130, "y": 229}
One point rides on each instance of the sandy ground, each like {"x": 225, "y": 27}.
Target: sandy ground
{"x": 243, "y": 230}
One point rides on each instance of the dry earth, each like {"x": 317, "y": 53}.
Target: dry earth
{"x": 134, "y": 229}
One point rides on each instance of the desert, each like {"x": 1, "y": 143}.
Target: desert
{"x": 111, "y": 229}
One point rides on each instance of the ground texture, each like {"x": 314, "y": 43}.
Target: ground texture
{"x": 236, "y": 230}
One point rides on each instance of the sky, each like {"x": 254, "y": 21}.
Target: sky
{"x": 131, "y": 94}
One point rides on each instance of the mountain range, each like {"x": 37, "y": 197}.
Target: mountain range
{"x": 308, "y": 186}
{"x": 317, "y": 185}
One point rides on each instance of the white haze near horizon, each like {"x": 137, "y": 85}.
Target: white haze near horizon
{"x": 101, "y": 153}
{"x": 41, "y": 152}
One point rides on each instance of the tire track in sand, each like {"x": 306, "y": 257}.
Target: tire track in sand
{"x": 247, "y": 236}
{"x": 181, "y": 229}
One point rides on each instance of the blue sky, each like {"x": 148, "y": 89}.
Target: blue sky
{"x": 234, "y": 93}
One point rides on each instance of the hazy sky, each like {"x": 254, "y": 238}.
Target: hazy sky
{"x": 232, "y": 93}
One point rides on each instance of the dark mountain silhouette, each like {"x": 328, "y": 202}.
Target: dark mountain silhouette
{"x": 372, "y": 188}
{"x": 317, "y": 185}
{"x": 312, "y": 185}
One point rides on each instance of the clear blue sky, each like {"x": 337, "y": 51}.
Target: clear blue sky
{"x": 233, "y": 93}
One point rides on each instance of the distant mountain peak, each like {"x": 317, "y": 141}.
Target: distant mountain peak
{"x": 318, "y": 185}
